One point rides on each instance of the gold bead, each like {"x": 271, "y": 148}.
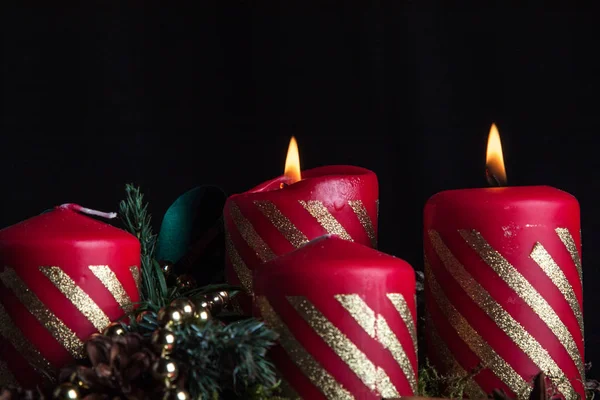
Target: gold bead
{"x": 202, "y": 302}
{"x": 186, "y": 306}
{"x": 66, "y": 391}
{"x": 166, "y": 266}
{"x": 163, "y": 340}
{"x": 79, "y": 384}
{"x": 170, "y": 316}
{"x": 202, "y": 316}
{"x": 140, "y": 317}
{"x": 176, "y": 394}
{"x": 224, "y": 295}
{"x": 186, "y": 282}
{"x": 216, "y": 303}
{"x": 165, "y": 368}
{"x": 115, "y": 329}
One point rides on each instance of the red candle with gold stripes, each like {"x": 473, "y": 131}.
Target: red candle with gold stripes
{"x": 346, "y": 318}
{"x": 503, "y": 284}
{"x": 63, "y": 276}
{"x": 282, "y": 214}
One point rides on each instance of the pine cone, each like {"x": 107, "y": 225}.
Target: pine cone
{"x": 17, "y": 393}
{"x": 120, "y": 367}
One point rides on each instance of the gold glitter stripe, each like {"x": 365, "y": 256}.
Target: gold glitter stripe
{"x": 137, "y": 278}
{"x": 503, "y": 370}
{"x": 454, "y": 369}
{"x": 363, "y": 216}
{"x": 527, "y": 292}
{"x": 318, "y": 375}
{"x": 542, "y": 258}
{"x": 51, "y": 322}
{"x": 6, "y": 377}
{"x": 372, "y": 376}
{"x": 282, "y": 223}
{"x": 377, "y": 327}
{"x": 513, "y": 329}
{"x": 77, "y": 296}
{"x": 13, "y": 335}
{"x": 399, "y": 303}
{"x": 242, "y": 271}
{"x": 111, "y": 282}
{"x": 249, "y": 234}
{"x": 567, "y": 239}
{"x": 325, "y": 219}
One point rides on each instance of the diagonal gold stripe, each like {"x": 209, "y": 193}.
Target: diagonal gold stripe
{"x": 567, "y": 239}
{"x": 65, "y": 336}
{"x": 377, "y": 327}
{"x": 77, "y": 296}
{"x": 527, "y": 292}
{"x": 242, "y": 271}
{"x": 135, "y": 272}
{"x": 399, "y": 303}
{"x": 363, "y": 216}
{"x": 13, "y": 335}
{"x": 318, "y": 375}
{"x": 450, "y": 365}
{"x": 325, "y": 219}
{"x": 542, "y": 258}
{"x": 249, "y": 234}
{"x": 503, "y": 370}
{"x": 513, "y": 329}
{"x": 282, "y": 223}
{"x": 111, "y": 282}
{"x": 6, "y": 377}
{"x": 372, "y": 376}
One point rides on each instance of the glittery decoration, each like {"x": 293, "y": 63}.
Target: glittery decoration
{"x": 65, "y": 336}
{"x": 135, "y": 272}
{"x": 527, "y": 292}
{"x": 282, "y": 223}
{"x": 361, "y": 213}
{"x": 111, "y": 282}
{"x": 13, "y": 335}
{"x": 449, "y": 363}
{"x": 475, "y": 342}
{"x": 399, "y": 303}
{"x": 249, "y": 234}
{"x": 324, "y": 217}
{"x": 542, "y": 258}
{"x": 77, "y": 296}
{"x": 242, "y": 271}
{"x": 513, "y": 329}
{"x": 318, "y": 375}
{"x": 567, "y": 239}
{"x": 372, "y": 376}
{"x": 377, "y": 327}
{"x": 6, "y": 377}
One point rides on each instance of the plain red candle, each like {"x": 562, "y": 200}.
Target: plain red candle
{"x": 504, "y": 288}
{"x": 271, "y": 220}
{"x": 346, "y": 318}
{"x": 63, "y": 276}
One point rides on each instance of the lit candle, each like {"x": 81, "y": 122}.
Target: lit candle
{"x": 346, "y": 318}
{"x": 63, "y": 276}
{"x": 284, "y": 213}
{"x": 503, "y": 284}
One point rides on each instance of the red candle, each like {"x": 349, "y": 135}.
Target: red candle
{"x": 63, "y": 276}
{"x": 282, "y": 214}
{"x": 346, "y": 318}
{"x": 503, "y": 285}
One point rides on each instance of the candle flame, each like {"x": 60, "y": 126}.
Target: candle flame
{"x": 292, "y": 163}
{"x": 494, "y": 160}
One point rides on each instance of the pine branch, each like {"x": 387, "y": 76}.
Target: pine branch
{"x": 133, "y": 212}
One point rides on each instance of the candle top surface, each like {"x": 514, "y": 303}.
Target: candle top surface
{"x": 62, "y": 224}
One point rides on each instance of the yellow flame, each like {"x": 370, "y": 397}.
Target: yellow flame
{"x": 494, "y": 160}
{"x": 292, "y": 163}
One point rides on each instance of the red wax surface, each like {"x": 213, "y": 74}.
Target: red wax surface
{"x": 73, "y": 242}
{"x": 323, "y": 269}
{"x": 512, "y": 220}
{"x": 332, "y": 188}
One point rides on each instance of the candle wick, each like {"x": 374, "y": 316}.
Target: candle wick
{"x": 89, "y": 211}
{"x": 492, "y": 179}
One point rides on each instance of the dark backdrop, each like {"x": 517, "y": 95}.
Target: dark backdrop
{"x": 172, "y": 97}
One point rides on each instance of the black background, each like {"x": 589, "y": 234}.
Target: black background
{"x": 203, "y": 93}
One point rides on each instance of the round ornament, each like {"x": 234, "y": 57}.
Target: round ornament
{"x": 166, "y": 267}
{"x": 176, "y": 394}
{"x": 170, "y": 316}
{"x": 186, "y": 282}
{"x": 165, "y": 368}
{"x": 202, "y": 316}
{"x": 115, "y": 329}
{"x": 216, "y": 302}
{"x": 186, "y": 306}
{"x": 66, "y": 391}
{"x": 163, "y": 340}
